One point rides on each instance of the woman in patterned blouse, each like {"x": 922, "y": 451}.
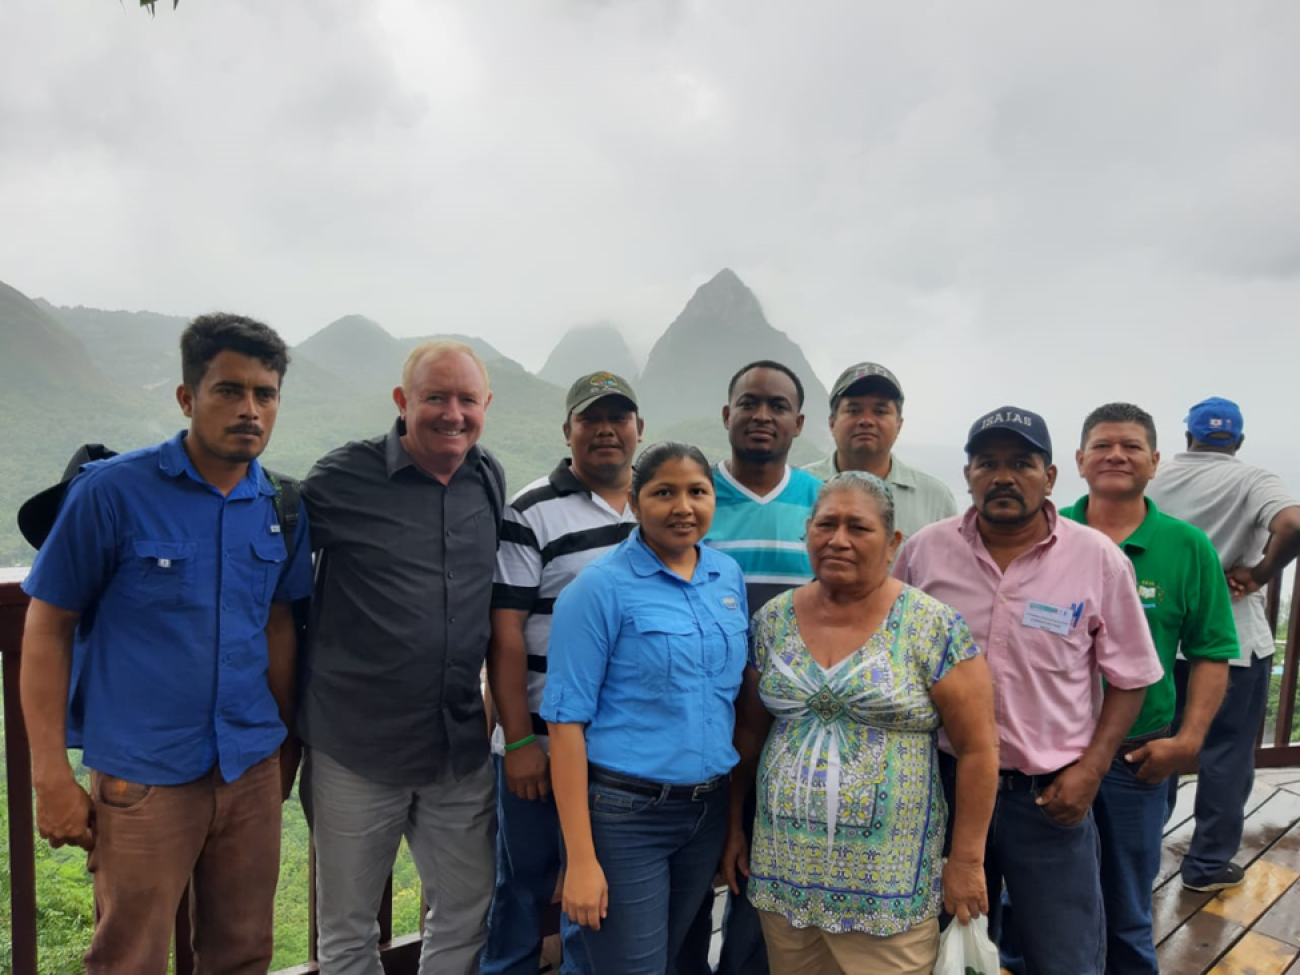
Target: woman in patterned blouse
{"x": 850, "y": 679}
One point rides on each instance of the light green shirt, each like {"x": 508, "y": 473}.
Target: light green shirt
{"x": 919, "y": 499}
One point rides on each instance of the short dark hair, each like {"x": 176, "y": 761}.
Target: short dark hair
{"x": 766, "y": 364}
{"x": 209, "y": 335}
{"x": 658, "y": 454}
{"x": 1119, "y": 413}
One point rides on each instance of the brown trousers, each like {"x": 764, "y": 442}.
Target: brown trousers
{"x": 809, "y": 951}
{"x": 151, "y": 841}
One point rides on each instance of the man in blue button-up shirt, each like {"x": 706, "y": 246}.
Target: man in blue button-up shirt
{"x": 160, "y": 624}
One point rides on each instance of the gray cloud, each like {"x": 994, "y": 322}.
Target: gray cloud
{"x": 1006, "y": 201}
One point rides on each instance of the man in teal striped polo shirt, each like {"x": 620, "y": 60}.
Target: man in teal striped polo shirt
{"x": 762, "y": 502}
{"x": 762, "y": 513}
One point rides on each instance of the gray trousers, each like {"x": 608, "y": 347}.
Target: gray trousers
{"x": 358, "y": 825}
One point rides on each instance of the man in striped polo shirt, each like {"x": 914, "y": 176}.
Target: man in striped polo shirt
{"x": 762, "y": 512}
{"x": 551, "y": 530}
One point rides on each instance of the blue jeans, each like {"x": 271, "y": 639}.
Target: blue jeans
{"x": 1227, "y": 770}
{"x": 1130, "y": 822}
{"x": 743, "y": 950}
{"x": 529, "y": 854}
{"x": 1053, "y": 877}
{"x": 659, "y": 856}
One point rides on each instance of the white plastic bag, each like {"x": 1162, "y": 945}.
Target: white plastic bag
{"x": 965, "y": 949}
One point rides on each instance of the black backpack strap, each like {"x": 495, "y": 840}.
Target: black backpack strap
{"x": 288, "y": 505}
{"x": 493, "y": 476}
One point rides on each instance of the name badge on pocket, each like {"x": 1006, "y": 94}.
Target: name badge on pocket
{"x": 1044, "y": 616}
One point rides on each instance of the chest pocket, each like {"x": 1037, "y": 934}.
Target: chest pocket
{"x": 660, "y": 640}
{"x": 163, "y": 571}
{"x": 268, "y": 561}
{"x": 1071, "y": 653}
{"x": 725, "y": 657}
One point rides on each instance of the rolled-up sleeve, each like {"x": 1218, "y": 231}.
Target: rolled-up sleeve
{"x": 1125, "y": 654}
{"x": 583, "y": 633}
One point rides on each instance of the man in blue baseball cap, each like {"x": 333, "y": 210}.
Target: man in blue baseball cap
{"x": 1247, "y": 512}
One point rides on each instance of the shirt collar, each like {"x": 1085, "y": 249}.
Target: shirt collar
{"x": 1141, "y": 536}
{"x": 565, "y": 481}
{"x": 772, "y": 495}
{"x": 174, "y": 461}
{"x": 899, "y": 473}
{"x": 396, "y": 458}
{"x": 645, "y": 562}
{"x": 1206, "y": 457}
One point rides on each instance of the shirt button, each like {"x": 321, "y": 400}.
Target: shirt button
{"x": 451, "y": 619}
{"x": 451, "y": 575}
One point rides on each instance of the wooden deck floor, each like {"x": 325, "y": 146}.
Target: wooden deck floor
{"x": 1255, "y": 928}
{"x": 1252, "y": 930}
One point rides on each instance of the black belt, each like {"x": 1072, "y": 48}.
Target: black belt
{"x": 1011, "y": 780}
{"x": 656, "y": 790}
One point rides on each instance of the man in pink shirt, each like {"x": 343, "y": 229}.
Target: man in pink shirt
{"x": 1054, "y": 606}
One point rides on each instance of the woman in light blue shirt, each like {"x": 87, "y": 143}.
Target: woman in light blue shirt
{"x": 646, "y": 654}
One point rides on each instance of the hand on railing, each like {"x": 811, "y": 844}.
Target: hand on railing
{"x": 1242, "y": 581}
{"x": 64, "y": 813}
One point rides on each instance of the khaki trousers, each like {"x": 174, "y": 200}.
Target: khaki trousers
{"x": 151, "y": 841}
{"x": 811, "y": 951}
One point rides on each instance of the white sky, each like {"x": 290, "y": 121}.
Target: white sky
{"x": 1053, "y": 205}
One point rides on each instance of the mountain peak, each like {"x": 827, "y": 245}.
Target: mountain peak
{"x": 352, "y": 325}
{"x": 721, "y": 328}
{"x": 586, "y": 348}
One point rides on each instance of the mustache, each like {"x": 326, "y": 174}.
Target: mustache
{"x": 249, "y": 428}
{"x": 1004, "y": 493}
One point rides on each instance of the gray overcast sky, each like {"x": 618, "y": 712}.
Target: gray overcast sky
{"x": 1049, "y": 204}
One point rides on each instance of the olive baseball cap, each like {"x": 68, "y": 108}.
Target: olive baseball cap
{"x": 860, "y": 373}
{"x": 596, "y": 386}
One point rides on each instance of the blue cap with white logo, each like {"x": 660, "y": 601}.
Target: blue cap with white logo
{"x": 1030, "y": 427}
{"x": 1215, "y": 420}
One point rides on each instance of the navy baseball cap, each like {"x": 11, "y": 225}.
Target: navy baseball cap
{"x": 1215, "y": 420}
{"x": 1030, "y": 427}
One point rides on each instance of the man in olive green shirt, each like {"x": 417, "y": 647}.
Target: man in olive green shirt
{"x": 1183, "y": 590}
{"x": 866, "y": 419}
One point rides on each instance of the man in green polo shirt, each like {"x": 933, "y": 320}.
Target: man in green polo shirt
{"x": 1188, "y": 606}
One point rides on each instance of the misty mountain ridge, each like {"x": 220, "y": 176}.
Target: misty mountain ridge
{"x": 589, "y": 348}
{"x": 72, "y": 375}
{"x": 721, "y": 328}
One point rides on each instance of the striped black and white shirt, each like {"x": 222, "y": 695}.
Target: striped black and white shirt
{"x": 551, "y": 530}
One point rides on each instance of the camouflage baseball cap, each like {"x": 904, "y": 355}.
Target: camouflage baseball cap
{"x": 862, "y": 371}
{"x": 596, "y": 386}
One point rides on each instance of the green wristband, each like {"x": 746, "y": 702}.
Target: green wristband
{"x": 521, "y": 743}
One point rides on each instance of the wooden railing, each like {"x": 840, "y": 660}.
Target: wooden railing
{"x": 400, "y": 955}
{"x": 1280, "y": 751}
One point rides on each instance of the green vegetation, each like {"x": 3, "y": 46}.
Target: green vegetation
{"x": 65, "y": 907}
